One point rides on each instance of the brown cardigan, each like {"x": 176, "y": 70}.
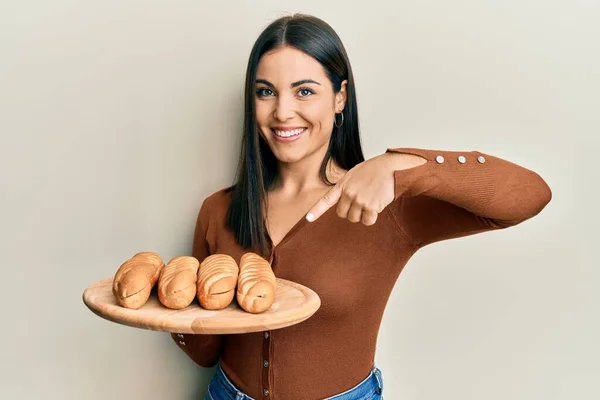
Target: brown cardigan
{"x": 353, "y": 268}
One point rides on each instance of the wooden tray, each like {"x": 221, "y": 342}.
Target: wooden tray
{"x": 293, "y": 304}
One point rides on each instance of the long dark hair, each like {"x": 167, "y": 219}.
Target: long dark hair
{"x": 258, "y": 166}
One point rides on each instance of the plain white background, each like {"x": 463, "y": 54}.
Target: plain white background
{"x": 117, "y": 119}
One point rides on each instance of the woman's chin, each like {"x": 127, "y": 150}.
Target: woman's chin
{"x": 288, "y": 156}
{"x": 288, "y": 159}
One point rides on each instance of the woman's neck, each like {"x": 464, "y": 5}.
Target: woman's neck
{"x": 304, "y": 176}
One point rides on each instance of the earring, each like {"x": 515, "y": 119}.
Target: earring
{"x": 335, "y": 120}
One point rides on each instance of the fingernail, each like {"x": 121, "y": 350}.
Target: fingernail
{"x": 310, "y": 217}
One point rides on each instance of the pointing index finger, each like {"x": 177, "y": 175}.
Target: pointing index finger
{"x": 325, "y": 203}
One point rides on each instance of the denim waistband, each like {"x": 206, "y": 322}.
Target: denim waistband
{"x": 364, "y": 390}
{"x": 222, "y": 388}
{"x": 225, "y": 389}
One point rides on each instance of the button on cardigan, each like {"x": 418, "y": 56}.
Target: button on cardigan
{"x": 353, "y": 269}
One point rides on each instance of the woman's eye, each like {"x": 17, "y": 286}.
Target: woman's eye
{"x": 264, "y": 92}
{"x": 305, "y": 92}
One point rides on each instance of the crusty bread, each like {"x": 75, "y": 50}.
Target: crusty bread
{"x": 135, "y": 279}
{"x": 217, "y": 278}
{"x": 177, "y": 282}
{"x": 256, "y": 284}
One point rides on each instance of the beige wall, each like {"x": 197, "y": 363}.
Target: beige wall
{"x": 118, "y": 117}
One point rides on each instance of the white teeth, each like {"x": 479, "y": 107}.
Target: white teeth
{"x": 289, "y": 133}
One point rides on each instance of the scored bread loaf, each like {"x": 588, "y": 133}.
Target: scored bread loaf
{"x": 217, "y": 278}
{"x": 256, "y": 284}
{"x": 177, "y": 282}
{"x": 135, "y": 279}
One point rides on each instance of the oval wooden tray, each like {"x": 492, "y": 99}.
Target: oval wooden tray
{"x": 293, "y": 304}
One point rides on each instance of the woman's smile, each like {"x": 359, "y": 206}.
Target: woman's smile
{"x": 288, "y": 134}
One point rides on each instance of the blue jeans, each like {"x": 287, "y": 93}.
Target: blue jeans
{"x": 371, "y": 388}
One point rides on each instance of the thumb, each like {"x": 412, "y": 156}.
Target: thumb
{"x": 325, "y": 203}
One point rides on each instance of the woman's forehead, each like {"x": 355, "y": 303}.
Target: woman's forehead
{"x": 286, "y": 65}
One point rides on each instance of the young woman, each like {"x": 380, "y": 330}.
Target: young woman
{"x": 307, "y": 200}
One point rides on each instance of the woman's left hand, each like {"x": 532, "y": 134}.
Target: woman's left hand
{"x": 365, "y": 190}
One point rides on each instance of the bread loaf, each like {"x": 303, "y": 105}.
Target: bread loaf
{"x": 256, "y": 284}
{"x": 217, "y": 278}
{"x": 177, "y": 282}
{"x": 135, "y": 279}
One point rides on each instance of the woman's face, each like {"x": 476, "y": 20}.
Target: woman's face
{"x": 295, "y": 104}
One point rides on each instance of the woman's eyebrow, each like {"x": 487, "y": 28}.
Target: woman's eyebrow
{"x": 303, "y": 82}
{"x": 298, "y": 83}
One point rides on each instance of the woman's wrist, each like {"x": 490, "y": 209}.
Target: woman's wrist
{"x": 399, "y": 161}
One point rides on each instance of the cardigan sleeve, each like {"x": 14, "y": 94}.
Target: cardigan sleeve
{"x": 204, "y": 350}
{"x": 460, "y": 193}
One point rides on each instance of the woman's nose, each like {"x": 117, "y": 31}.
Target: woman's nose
{"x": 284, "y": 109}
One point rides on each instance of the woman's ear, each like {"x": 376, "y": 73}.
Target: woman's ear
{"x": 340, "y": 97}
